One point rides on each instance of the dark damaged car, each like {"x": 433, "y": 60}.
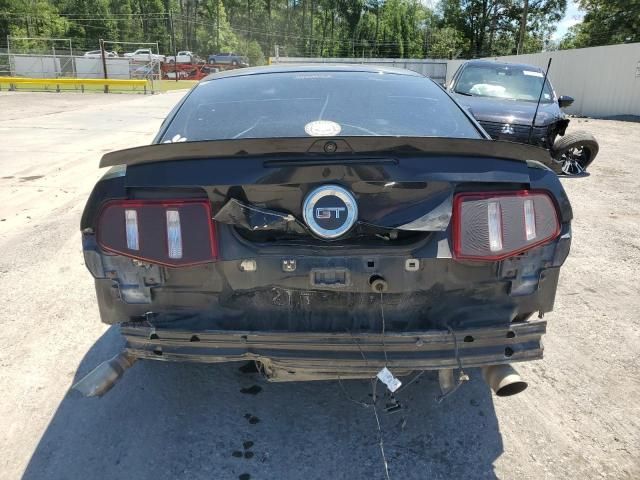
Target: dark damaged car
{"x": 327, "y": 223}
{"x": 503, "y": 97}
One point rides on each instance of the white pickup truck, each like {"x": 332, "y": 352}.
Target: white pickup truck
{"x": 184, "y": 56}
{"x": 145, "y": 55}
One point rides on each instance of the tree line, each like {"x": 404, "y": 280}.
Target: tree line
{"x": 327, "y": 28}
{"x": 605, "y": 22}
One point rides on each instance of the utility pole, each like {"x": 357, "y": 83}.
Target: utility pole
{"x": 218, "y": 26}
{"x": 377, "y": 25}
{"x": 104, "y": 65}
{"x": 523, "y": 27}
{"x": 173, "y": 43}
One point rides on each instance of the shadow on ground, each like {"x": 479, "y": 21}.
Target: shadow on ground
{"x": 192, "y": 421}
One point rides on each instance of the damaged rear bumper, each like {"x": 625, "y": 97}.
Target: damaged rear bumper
{"x": 291, "y": 356}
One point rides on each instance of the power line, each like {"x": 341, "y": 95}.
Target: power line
{"x": 183, "y": 18}
{"x": 79, "y": 14}
{"x": 293, "y": 41}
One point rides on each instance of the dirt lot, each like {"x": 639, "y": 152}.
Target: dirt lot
{"x": 580, "y": 418}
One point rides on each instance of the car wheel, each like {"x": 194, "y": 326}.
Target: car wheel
{"x": 574, "y": 152}
{"x": 234, "y": 63}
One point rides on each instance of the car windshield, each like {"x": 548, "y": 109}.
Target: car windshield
{"x": 503, "y": 81}
{"x": 318, "y": 103}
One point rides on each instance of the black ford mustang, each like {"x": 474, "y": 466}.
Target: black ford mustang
{"x": 327, "y": 222}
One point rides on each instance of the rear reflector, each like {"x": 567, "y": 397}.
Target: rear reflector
{"x": 529, "y": 220}
{"x": 494, "y": 220}
{"x": 174, "y": 234}
{"x": 131, "y": 226}
{"x": 171, "y": 232}
{"x": 497, "y": 225}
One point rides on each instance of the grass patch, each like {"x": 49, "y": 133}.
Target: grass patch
{"x": 166, "y": 85}
{"x": 158, "y": 86}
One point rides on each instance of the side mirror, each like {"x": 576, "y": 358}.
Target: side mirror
{"x": 565, "y": 101}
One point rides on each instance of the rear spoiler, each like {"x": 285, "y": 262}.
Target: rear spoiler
{"x": 326, "y": 147}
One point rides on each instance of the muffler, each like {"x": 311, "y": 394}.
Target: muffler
{"x": 100, "y": 380}
{"x": 503, "y": 380}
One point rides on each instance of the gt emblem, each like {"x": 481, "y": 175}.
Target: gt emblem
{"x": 325, "y": 213}
{"x": 508, "y": 129}
{"x": 330, "y": 211}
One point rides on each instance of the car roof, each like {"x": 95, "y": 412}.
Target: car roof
{"x": 493, "y": 63}
{"x": 242, "y": 72}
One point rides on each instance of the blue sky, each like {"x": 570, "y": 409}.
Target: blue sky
{"x": 572, "y": 16}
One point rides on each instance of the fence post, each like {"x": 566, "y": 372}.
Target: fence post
{"x": 104, "y": 65}
{"x": 9, "y": 56}
{"x": 73, "y": 60}
{"x": 175, "y": 48}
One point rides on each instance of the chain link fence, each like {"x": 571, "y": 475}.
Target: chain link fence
{"x": 28, "y": 58}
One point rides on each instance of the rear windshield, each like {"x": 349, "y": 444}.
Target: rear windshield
{"x": 302, "y": 104}
{"x": 504, "y": 81}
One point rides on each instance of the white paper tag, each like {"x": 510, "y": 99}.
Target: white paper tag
{"x": 532, "y": 73}
{"x": 386, "y": 377}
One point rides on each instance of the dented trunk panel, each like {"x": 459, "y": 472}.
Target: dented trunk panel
{"x": 305, "y": 284}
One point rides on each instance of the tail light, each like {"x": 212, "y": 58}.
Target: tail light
{"x": 493, "y": 226}
{"x": 168, "y": 232}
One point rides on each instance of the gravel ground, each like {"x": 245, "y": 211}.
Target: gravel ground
{"x": 580, "y": 418}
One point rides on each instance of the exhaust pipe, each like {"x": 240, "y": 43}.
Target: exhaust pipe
{"x": 100, "y": 380}
{"x": 503, "y": 380}
{"x": 447, "y": 384}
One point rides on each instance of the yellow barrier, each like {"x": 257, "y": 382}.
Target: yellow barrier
{"x": 56, "y": 82}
